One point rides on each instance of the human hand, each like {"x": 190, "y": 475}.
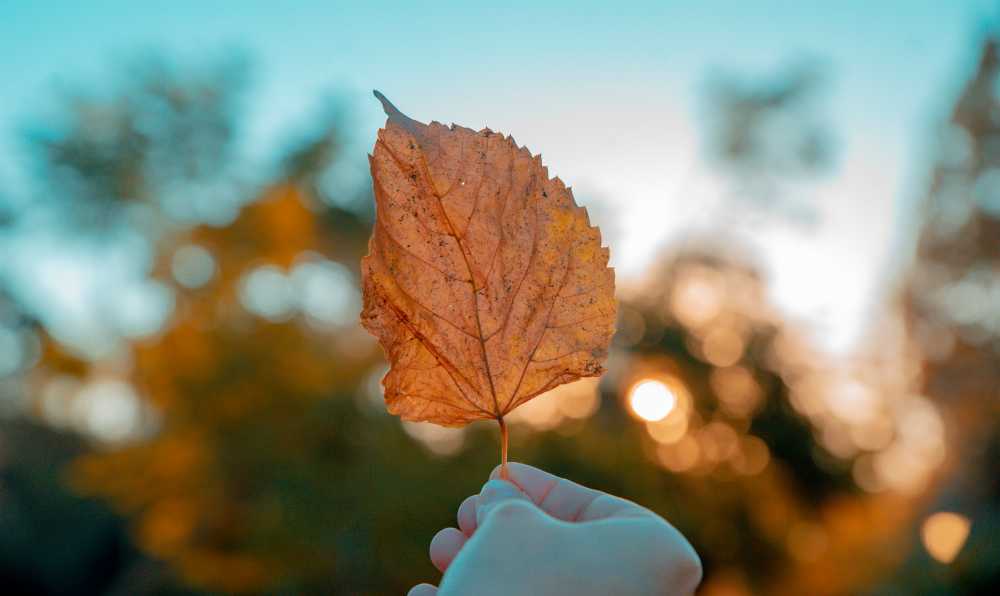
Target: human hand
{"x": 542, "y": 535}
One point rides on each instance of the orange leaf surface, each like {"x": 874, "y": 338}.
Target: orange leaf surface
{"x": 484, "y": 282}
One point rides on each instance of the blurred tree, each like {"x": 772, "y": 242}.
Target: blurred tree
{"x": 952, "y": 302}
{"x": 768, "y": 133}
{"x": 245, "y": 444}
{"x": 165, "y": 138}
{"x": 239, "y": 441}
{"x": 19, "y": 350}
{"x": 754, "y": 463}
{"x": 241, "y": 485}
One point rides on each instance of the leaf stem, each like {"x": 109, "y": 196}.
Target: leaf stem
{"x": 504, "y": 436}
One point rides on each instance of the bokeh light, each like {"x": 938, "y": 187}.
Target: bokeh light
{"x": 944, "y": 533}
{"x": 738, "y": 392}
{"x": 651, "y": 400}
{"x": 722, "y": 346}
{"x": 326, "y": 291}
{"x": 573, "y": 401}
{"x": 670, "y": 428}
{"x": 439, "y": 440}
{"x": 192, "y": 266}
{"x": 110, "y": 410}
{"x": 697, "y": 297}
{"x": 267, "y": 292}
{"x": 752, "y": 457}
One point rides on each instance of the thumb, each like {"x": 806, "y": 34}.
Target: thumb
{"x": 495, "y": 493}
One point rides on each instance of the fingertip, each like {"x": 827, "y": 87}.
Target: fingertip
{"x": 495, "y": 493}
{"x": 513, "y": 510}
{"x": 445, "y": 546}
{"x": 467, "y": 515}
{"x": 422, "y": 590}
{"x": 495, "y": 490}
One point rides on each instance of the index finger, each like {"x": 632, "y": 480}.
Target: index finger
{"x": 567, "y": 500}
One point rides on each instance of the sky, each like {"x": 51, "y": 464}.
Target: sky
{"x": 610, "y": 93}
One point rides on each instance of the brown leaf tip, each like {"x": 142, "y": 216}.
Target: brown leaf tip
{"x": 387, "y": 105}
{"x": 394, "y": 115}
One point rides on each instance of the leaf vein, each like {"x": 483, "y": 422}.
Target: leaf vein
{"x": 445, "y": 363}
{"x": 411, "y": 253}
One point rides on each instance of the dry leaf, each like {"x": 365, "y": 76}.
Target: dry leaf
{"x": 484, "y": 282}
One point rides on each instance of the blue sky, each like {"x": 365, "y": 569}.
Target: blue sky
{"x": 608, "y": 92}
